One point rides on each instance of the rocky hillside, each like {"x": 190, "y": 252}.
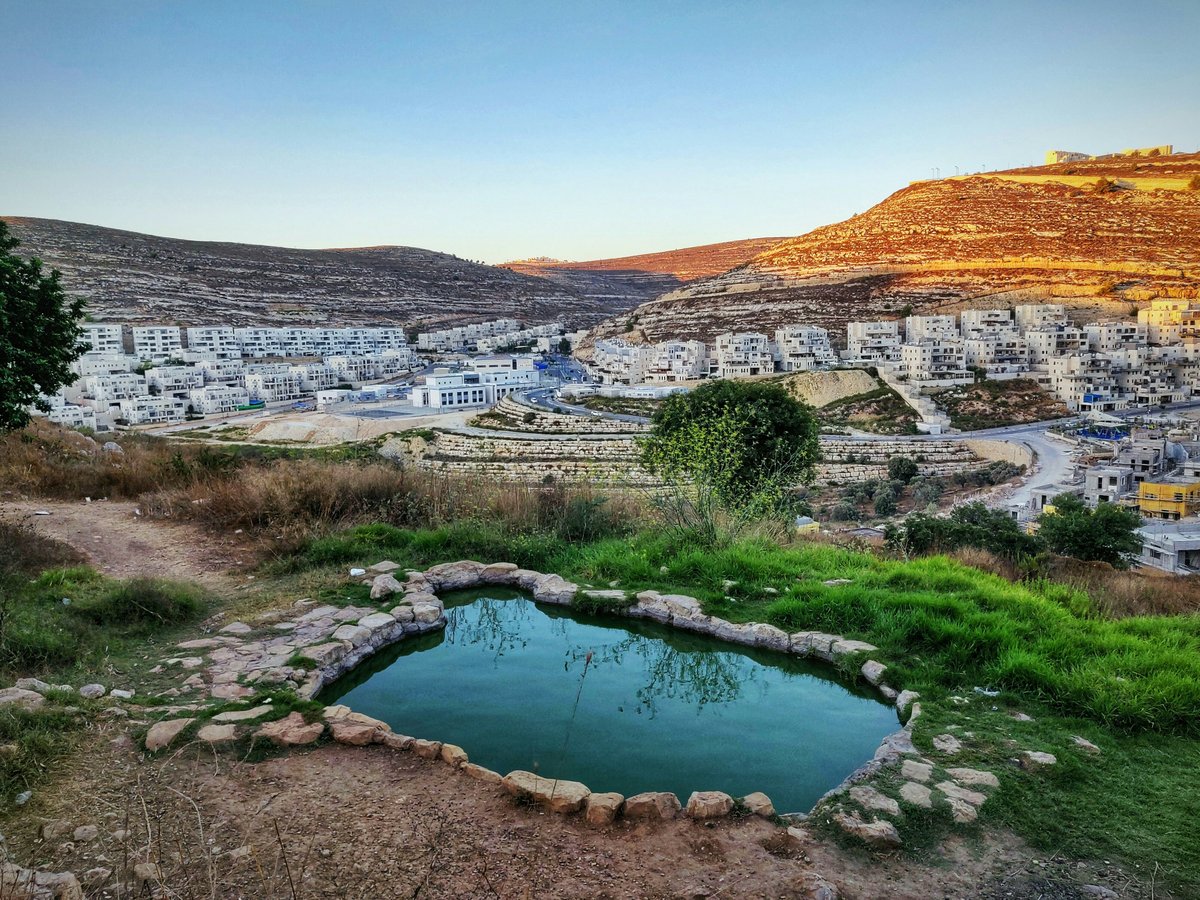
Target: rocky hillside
{"x": 1101, "y": 234}
{"x": 138, "y": 277}
{"x": 642, "y": 277}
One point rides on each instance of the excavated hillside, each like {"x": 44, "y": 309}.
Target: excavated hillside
{"x": 642, "y": 277}
{"x": 133, "y": 277}
{"x": 1102, "y": 235}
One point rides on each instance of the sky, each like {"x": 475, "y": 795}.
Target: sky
{"x": 502, "y": 130}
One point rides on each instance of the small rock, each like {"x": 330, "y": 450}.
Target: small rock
{"x": 917, "y": 771}
{"x": 237, "y": 628}
{"x": 85, "y": 833}
{"x": 21, "y": 697}
{"x": 559, "y": 796}
{"x": 242, "y": 715}
{"x": 121, "y": 694}
{"x": 479, "y": 773}
{"x": 355, "y": 734}
{"x": 357, "y": 572}
{"x": 385, "y": 567}
{"x": 947, "y": 743}
{"x": 453, "y": 755}
{"x": 1099, "y": 890}
{"x": 162, "y": 733}
{"x": 709, "y": 805}
{"x": 602, "y": 809}
{"x": 869, "y": 798}
{"x": 652, "y": 805}
{"x": 877, "y": 833}
{"x": 217, "y": 734}
{"x": 1036, "y": 759}
{"x": 813, "y": 887}
{"x": 400, "y": 742}
{"x": 1020, "y": 716}
{"x": 759, "y": 804}
{"x": 92, "y": 691}
{"x": 384, "y": 586}
{"x": 873, "y": 671}
{"x": 1085, "y": 745}
{"x": 916, "y": 794}
{"x": 147, "y": 874}
{"x": 95, "y": 878}
{"x": 291, "y": 731}
{"x": 974, "y": 776}
{"x": 427, "y": 749}
{"x": 962, "y": 812}
{"x": 55, "y": 828}
{"x": 958, "y": 792}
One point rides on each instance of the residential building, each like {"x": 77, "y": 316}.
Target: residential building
{"x": 157, "y": 343}
{"x": 148, "y": 410}
{"x": 1036, "y": 315}
{"x": 1146, "y": 458}
{"x": 174, "y": 381}
{"x": 272, "y": 384}
{"x": 940, "y": 360}
{"x": 1108, "y": 336}
{"x": 1106, "y": 484}
{"x": 1173, "y": 548}
{"x": 803, "y": 348}
{"x": 102, "y": 391}
{"x": 1084, "y": 382}
{"x": 103, "y": 339}
{"x": 1171, "y": 500}
{"x": 976, "y": 322}
{"x": 482, "y": 386}
{"x": 259, "y": 343}
{"x": 919, "y": 328}
{"x": 873, "y": 342}
{"x": 616, "y": 361}
{"x": 1053, "y": 341}
{"x": 675, "y": 361}
{"x": 215, "y": 399}
{"x": 741, "y": 354}
{"x": 213, "y": 342}
{"x": 315, "y": 376}
{"x": 222, "y": 371}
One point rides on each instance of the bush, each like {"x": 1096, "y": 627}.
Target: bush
{"x": 844, "y": 512}
{"x": 970, "y": 525}
{"x": 1194, "y": 183}
{"x": 1107, "y": 533}
{"x": 901, "y": 468}
{"x": 144, "y": 602}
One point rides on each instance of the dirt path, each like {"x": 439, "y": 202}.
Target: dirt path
{"x": 119, "y": 542}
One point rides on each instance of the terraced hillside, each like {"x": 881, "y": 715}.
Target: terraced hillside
{"x": 135, "y": 277}
{"x": 1101, "y": 234}
{"x": 639, "y": 278}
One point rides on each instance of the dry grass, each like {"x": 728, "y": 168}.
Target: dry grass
{"x": 1118, "y": 594}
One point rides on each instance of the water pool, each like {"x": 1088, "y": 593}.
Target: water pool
{"x": 655, "y": 709}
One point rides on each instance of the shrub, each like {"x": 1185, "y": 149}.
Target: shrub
{"x": 901, "y": 468}
{"x": 1194, "y": 183}
{"x": 143, "y": 602}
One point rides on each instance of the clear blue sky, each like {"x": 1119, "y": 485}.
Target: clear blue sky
{"x": 577, "y": 130}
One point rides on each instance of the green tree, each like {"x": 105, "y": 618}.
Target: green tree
{"x": 1107, "y": 533}
{"x": 39, "y": 334}
{"x": 969, "y": 525}
{"x": 731, "y": 453}
{"x": 901, "y": 468}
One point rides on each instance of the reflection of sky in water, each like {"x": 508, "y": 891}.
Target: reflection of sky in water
{"x": 655, "y": 709}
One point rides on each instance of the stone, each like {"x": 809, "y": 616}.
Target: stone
{"x": 237, "y": 628}
{"x": 1036, "y": 759}
{"x": 455, "y": 575}
{"x": 356, "y": 734}
{"x": 200, "y": 644}
{"x": 974, "y": 776}
{"x": 770, "y": 637}
{"x": 797, "y": 835}
{"x": 903, "y": 700}
{"x": 479, "y": 773}
{"x": 230, "y": 691}
{"x": 162, "y": 733}
{"x": 92, "y": 691}
{"x": 873, "y": 671}
{"x": 962, "y": 812}
{"x": 384, "y": 586}
{"x": 59, "y": 885}
{"x": 916, "y": 794}
{"x": 1099, "y": 890}
{"x": 396, "y": 741}
{"x": 291, "y": 731}
{"x": 403, "y": 613}
{"x": 844, "y": 647}
{"x": 557, "y": 795}
{"x": 453, "y": 755}
{"x": 340, "y": 711}
{"x": 1084, "y": 744}
{"x": 55, "y": 828}
{"x": 876, "y": 833}
{"x": 243, "y": 715}
{"x": 869, "y": 798}
{"x": 958, "y": 792}
{"x": 355, "y": 635}
{"x": 812, "y": 886}
{"x": 1019, "y": 716}
{"x": 85, "y": 833}
{"x": 147, "y": 874}
{"x": 384, "y": 567}
{"x": 426, "y": 613}
{"x": 709, "y": 805}
{"x": 357, "y": 572}
{"x": 498, "y": 573}
{"x": 602, "y": 808}
{"x": 947, "y": 743}
{"x": 376, "y": 621}
{"x": 41, "y": 687}
{"x": 327, "y": 654}
{"x": 759, "y": 804}
{"x": 554, "y": 589}
{"x": 217, "y": 734}
{"x": 25, "y": 699}
{"x": 97, "y": 877}
{"x": 427, "y": 749}
{"x": 652, "y": 805}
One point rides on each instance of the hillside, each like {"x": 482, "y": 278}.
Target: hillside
{"x": 138, "y": 277}
{"x": 642, "y": 277}
{"x": 993, "y": 239}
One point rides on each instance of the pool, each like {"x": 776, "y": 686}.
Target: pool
{"x": 621, "y": 705}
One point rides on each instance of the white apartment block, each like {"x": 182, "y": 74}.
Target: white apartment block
{"x": 175, "y": 381}
{"x": 465, "y": 337}
{"x": 273, "y": 385}
{"x": 316, "y": 376}
{"x": 939, "y": 360}
{"x": 213, "y": 342}
{"x": 996, "y": 352}
{"x": 103, "y": 339}
{"x": 1164, "y": 319}
{"x": 108, "y": 390}
{"x": 1085, "y": 382}
{"x": 531, "y": 336}
{"x": 803, "y": 348}
{"x": 918, "y": 328}
{"x": 616, "y": 361}
{"x": 1105, "y": 336}
{"x": 1047, "y": 342}
{"x": 976, "y": 322}
{"x": 103, "y": 365}
{"x": 1035, "y": 315}
{"x": 259, "y": 343}
{"x": 215, "y": 399}
{"x": 157, "y": 343}
{"x": 485, "y": 384}
{"x": 675, "y": 361}
{"x": 69, "y": 415}
{"x": 147, "y": 410}
{"x": 351, "y": 369}
{"x": 743, "y": 353}
{"x": 222, "y": 371}
{"x": 873, "y": 342}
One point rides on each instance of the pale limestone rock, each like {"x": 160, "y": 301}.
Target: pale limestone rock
{"x": 339, "y": 711}
{"x": 904, "y": 700}
{"x": 217, "y": 734}
{"x": 200, "y": 644}
{"x": 403, "y": 613}
{"x": 85, "y": 833}
{"x": 226, "y": 691}
{"x": 812, "y": 886}
{"x": 162, "y": 733}
{"x": 92, "y": 691}
{"x": 452, "y": 576}
{"x": 1036, "y": 759}
{"x": 376, "y": 621}
{"x": 916, "y": 771}
{"x": 652, "y": 805}
{"x": 291, "y": 731}
{"x": 557, "y": 795}
{"x": 974, "y": 776}
{"x": 384, "y": 586}
{"x": 961, "y": 811}
{"x": 427, "y": 749}
{"x": 355, "y": 635}
{"x": 554, "y": 589}
{"x": 947, "y": 743}
{"x": 1084, "y": 744}
{"x": 869, "y": 798}
{"x": 602, "y": 808}
{"x": 844, "y": 647}
{"x": 916, "y": 794}
{"x": 147, "y": 875}
{"x": 22, "y": 698}
{"x": 426, "y": 613}
{"x": 958, "y": 792}
{"x": 498, "y": 573}
{"x": 55, "y": 828}
{"x": 770, "y": 637}
{"x": 479, "y": 773}
{"x": 709, "y": 805}
{"x": 237, "y": 628}
{"x": 759, "y": 804}
{"x": 453, "y": 755}
{"x": 877, "y": 833}
{"x": 353, "y": 733}
{"x": 396, "y": 741}
{"x": 873, "y": 671}
{"x": 243, "y": 715}
{"x": 384, "y": 567}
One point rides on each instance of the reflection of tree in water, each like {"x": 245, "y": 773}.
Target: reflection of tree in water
{"x": 500, "y": 625}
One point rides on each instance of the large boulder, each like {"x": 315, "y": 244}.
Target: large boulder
{"x": 384, "y": 586}
{"x": 15, "y": 696}
{"x": 602, "y": 808}
{"x": 554, "y": 589}
{"x": 709, "y": 805}
{"x": 498, "y": 573}
{"x": 453, "y": 576}
{"x": 876, "y": 833}
{"x": 652, "y": 805}
{"x": 557, "y": 795}
{"x": 759, "y": 804}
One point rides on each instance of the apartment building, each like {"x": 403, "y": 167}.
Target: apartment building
{"x": 102, "y": 391}
{"x": 740, "y": 354}
{"x": 272, "y": 384}
{"x": 1173, "y": 547}
{"x": 1106, "y": 484}
{"x": 616, "y": 361}
{"x": 103, "y": 339}
{"x": 1084, "y": 382}
{"x": 676, "y": 361}
{"x": 148, "y": 410}
{"x": 215, "y": 399}
{"x": 213, "y": 342}
{"x": 1109, "y": 336}
{"x": 1165, "y": 319}
{"x": 1053, "y": 341}
{"x": 464, "y": 337}
{"x": 174, "y": 381}
{"x": 920, "y": 328}
{"x": 996, "y": 352}
{"x": 482, "y": 385}
{"x": 803, "y": 348}
{"x": 315, "y": 376}
{"x": 1170, "y": 500}
{"x": 103, "y": 365}
{"x": 975, "y": 322}
{"x": 940, "y": 360}
{"x": 1146, "y": 458}
{"x": 870, "y": 343}
{"x": 222, "y": 371}
{"x": 1037, "y": 315}
{"x": 157, "y": 343}
{"x": 259, "y": 343}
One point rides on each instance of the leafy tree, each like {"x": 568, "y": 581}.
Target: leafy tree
{"x": 969, "y": 525}
{"x": 901, "y": 468}
{"x": 730, "y": 452}
{"x": 1107, "y": 533}
{"x": 39, "y": 334}
{"x": 885, "y": 504}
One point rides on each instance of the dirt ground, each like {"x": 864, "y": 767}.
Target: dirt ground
{"x": 351, "y": 822}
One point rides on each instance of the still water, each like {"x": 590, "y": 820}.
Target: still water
{"x": 654, "y": 709}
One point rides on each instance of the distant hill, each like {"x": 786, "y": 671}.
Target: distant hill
{"x": 133, "y": 277}
{"x": 992, "y": 239}
{"x": 642, "y": 277}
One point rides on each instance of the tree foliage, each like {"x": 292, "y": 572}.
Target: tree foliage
{"x": 969, "y": 525}
{"x": 1107, "y": 533}
{"x": 39, "y": 334}
{"x": 901, "y": 468}
{"x": 731, "y": 452}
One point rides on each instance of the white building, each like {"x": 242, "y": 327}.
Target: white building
{"x": 215, "y": 399}
{"x": 803, "y": 348}
{"x": 873, "y": 342}
{"x": 482, "y": 385}
{"x": 919, "y": 328}
{"x": 464, "y": 337}
{"x": 174, "y": 381}
{"x": 316, "y": 376}
{"x": 744, "y": 353}
{"x": 157, "y": 343}
{"x": 259, "y": 343}
{"x": 1047, "y": 342}
{"x": 272, "y": 383}
{"x": 940, "y": 360}
{"x": 675, "y": 361}
{"x": 222, "y": 371}
{"x": 616, "y": 361}
{"x": 1035, "y": 315}
{"x": 103, "y": 391}
{"x": 1105, "y": 336}
{"x": 103, "y": 339}
{"x": 147, "y": 410}
{"x": 1085, "y": 382}
{"x": 213, "y": 342}
{"x": 976, "y": 322}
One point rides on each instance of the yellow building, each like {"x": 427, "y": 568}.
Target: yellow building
{"x": 1169, "y": 499}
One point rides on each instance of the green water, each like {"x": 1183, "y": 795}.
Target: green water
{"x": 656, "y": 709}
